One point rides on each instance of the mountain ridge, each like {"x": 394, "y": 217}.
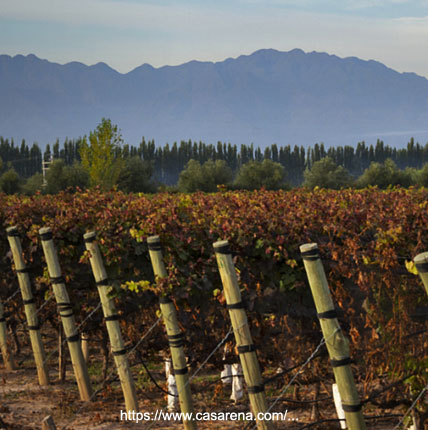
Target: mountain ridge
{"x": 257, "y": 52}
{"x": 266, "y": 97}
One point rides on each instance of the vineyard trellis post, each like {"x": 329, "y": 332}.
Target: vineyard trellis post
{"x": 337, "y": 344}
{"x": 48, "y": 423}
{"x": 245, "y": 346}
{"x": 175, "y": 336}
{"x": 111, "y": 318}
{"x": 421, "y": 263}
{"x": 66, "y": 313}
{"x": 62, "y": 360}
{"x": 85, "y": 346}
{"x": 8, "y": 360}
{"x": 29, "y": 305}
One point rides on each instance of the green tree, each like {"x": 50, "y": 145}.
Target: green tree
{"x": 413, "y": 176}
{"x": 76, "y": 176}
{"x": 34, "y": 183}
{"x": 55, "y": 180}
{"x": 257, "y": 174}
{"x": 101, "y": 156}
{"x": 218, "y": 173}
{"x": 191, "y": 178}
{"x": 136, "y": 176}
{"x": 325, "y": 173}
{"x": 422, "y": 176}
{"x": 195, "y": 177}
{"x": 60, "y": 177}
{"x": 10, "y": 182}
{"x": 384, "y": 174}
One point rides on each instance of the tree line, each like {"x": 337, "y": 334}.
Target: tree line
{"x": 189, "y": 166}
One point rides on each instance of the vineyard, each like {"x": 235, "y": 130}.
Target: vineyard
{"x": 367, "y": 241}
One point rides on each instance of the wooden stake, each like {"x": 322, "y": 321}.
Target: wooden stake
{"x": 48, "y": 423}
{"x": 421, "y": 262}
{"x": 338, "y": 405}
{"x": 61, "y": 356}
{"x": 66, "y": 313}
{"x": 337, "y": 344}
{"x": 315, "y": 412}
{"x": 112, "y": 323}
{"x": 244, "y": 343}
{"x": 175, "y": 335}
{"x": 9, "y": 363}
{"x": 85, "y": 346}
{"x": 29, "y": 305}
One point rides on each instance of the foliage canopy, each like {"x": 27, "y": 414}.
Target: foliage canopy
{"x": 101, "y": 157}
{"x": 257, "y": 174}
{"x": 384, "y": 175}
{"x": 206, "y": 177}
{"x": 325, "y": 173}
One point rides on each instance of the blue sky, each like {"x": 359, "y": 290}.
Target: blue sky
{"x": 128, "y": 33}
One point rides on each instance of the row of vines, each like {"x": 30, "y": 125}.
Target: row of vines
{"x": 367, "y": 240}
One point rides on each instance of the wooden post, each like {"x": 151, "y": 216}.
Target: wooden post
{"x": 9, "y": 363}
{"x": 421, "y": 263}
{"x": 61, "y": 356}
{"x": 338, "y": 405}
{"x": 112, "y": 323}
{"x": 337, "y": 344}
{"x": 66, "y": 313}
{"x": 175, "y": 336}
{"x": 29, "y": 305}
{"x": 48, "y": 423}
{"x": 244, "y": 343}
{"x": 315, "y": 413}
{"x": 85, "y": 346}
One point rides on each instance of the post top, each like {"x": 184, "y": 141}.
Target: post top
{"x": 45, "y": 230}
{"x": 221, "y": 243}
{"x": 12, "y": 229}
{"x": 89, "y": 235}
{"x": 308, "y": 247}
{"x": 153, "y": 239}
{"x": 421, "y": 258}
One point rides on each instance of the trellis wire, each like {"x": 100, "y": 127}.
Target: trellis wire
{"x": 140, "y": 357}
{"x": 12, "y": 296}
{"x": 44, "y": 304}
{"x": 204, "y": 362}
{"x": 111, "y": 373}
{"x": 211, "y": 354}
{"x": 18, "y": 328}
{"x": 308, "y": 360}
{"x": 77, "y": 328}
{"x": 411, "y": 407}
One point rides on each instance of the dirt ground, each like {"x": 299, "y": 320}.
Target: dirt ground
{"x": 24, "y": 403}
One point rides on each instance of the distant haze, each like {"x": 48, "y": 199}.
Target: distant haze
{"x": 267, "y": 97}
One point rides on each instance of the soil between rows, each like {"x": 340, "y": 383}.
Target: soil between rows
{"x": 25, "y": 403}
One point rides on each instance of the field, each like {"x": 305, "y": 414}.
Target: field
{"x": 367, "y": 240}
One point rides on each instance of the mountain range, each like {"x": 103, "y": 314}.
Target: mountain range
{"x": 266, "y": 97}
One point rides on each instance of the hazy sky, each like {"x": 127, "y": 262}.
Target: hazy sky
{"x": 127, "y": 33}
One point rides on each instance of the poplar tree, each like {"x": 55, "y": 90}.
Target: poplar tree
{"x": 100, "y": 156}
